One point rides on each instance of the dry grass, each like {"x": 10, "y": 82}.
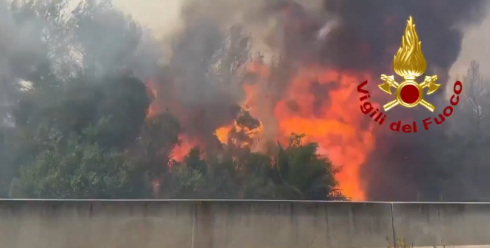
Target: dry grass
{"x": 402, "y": 243}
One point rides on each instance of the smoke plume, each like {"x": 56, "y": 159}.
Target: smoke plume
{"x": 357, "y": 38}
{"x": 403, "y": 167}
{"x": 312, "y": 56}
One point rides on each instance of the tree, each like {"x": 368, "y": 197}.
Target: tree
{"x": 7, "y": 170}
{"x": 74, "y": 167}
{"x": 89, "y": 124}
{"x": 299, "y": 172}
{"x": 296, "y": 172}
{"x": 256, "y": 169}
{"x": 153, "y": 151}
{"x": 224, "y": 177}
{"x": 126, "y": 102}
{"x": 109, "y": 41}
{"x": 121, "y": 100}
{"x": 187, "y": 183}
{"x": 475, "y": 98}
{"x": 64, "y": 71}
{"x": 467, "y": 154}
{"x": 95, "y": 38}
{"x": 80, "y": 128}
{"x": 189, "y": 179}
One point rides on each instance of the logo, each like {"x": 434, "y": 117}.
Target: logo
{"x": 409, "y": 63}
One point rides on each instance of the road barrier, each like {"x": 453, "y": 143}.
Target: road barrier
{"x": 239, "y": 224}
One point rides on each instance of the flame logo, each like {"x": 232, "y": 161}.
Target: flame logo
{"x": 409, "y": 63}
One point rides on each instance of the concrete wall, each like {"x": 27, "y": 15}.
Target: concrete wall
{"x": 237, "y": 224}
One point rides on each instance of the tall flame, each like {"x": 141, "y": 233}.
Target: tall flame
{"x": 409, "y": 62}
{"x": 153, "y": 93}
{"x": 335, "y": 125}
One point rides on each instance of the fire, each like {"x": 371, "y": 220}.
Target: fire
{"x": 223, "y": 133}
{"x": 186, "y": 144}
{"x": 257, "y": 68}
{"x": 334, "y": 125}
{"x": 152, "y": 92}
{"x": 318, "y": 102}
{"x": 323, "y": 105}
{"x": 259, "y": 72}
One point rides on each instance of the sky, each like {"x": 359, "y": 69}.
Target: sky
{"x": 161, "y": 16}
{"x": 475, "y": 47}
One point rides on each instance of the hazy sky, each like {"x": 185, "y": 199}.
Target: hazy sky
{"x": 475, "y": 47}
{"x": 161, "y": 16}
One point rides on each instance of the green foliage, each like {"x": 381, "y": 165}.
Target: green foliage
{"x": 71, "y": 167}
{"x": 108, "y": 39}
{"x": 296, "y": 172}
{"x": 301, "y": 173}
{"x": 225, "y": 179}
{"x": 85, "y": 131}
{"x": 154, "y": 147}
{"x": 256, "y": 170}
{"x": 187, "y": 183}
{"x": 126, "y": 103}
{"x": 194, "y": 162}
{"x": 79, "y": 129}
{"x": 74, "y": 115}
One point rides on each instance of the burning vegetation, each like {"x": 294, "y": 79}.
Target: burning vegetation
{"x": 260, "y": 106}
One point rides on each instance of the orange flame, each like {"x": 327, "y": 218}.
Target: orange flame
{"x": 223, "y": 133}
{"x": 186, "y": 144}
{"x": 335, "y": 126}
{"x": 152, "y": 92}
{"x": 334, "y": 122}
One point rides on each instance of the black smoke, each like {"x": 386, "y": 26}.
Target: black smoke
{"x": 363, "y": 36}
{"x": 403, "y": 166}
